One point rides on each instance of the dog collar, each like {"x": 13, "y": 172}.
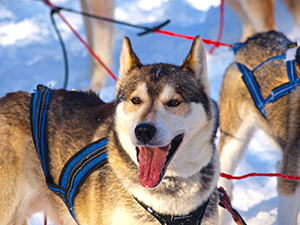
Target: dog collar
{"x": 194, "y": 217}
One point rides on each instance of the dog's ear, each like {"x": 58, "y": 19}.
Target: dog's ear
{"x": 196, "y": 62}
{"x": 128, "y": 59}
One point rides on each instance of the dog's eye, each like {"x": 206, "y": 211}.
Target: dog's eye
{"x": 136, "y": 100}
{"x": 173, "y": 103}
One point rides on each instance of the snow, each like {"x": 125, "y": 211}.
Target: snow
{"x": 25, "y": 30}
{"x": 204, "y": 5}
{"x": 30, "y": 55}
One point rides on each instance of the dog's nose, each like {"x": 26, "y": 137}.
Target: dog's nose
{"x": 145, "y": 132}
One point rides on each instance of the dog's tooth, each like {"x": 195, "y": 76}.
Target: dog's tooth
{"x": 169, "y": 147}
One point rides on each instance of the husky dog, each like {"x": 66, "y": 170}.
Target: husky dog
{"x": 100, "y": 38}
{"x": 258, "y": 15}
{"x": 161, "y": 152}
{"x": 239, "y": 117}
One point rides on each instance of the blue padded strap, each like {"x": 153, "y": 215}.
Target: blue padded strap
{"x": 277, "y": 57}
{"x": 78, "y": 167}
{"x": 291, "y": 72}
{"x": 280, "y": 91}
{"x": 38, "y": 108}
{"x": 253, "y": 87}
{"x": 237, "y": 47}
{"x": 77, "y": 159}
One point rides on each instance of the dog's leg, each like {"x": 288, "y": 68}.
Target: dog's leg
{"x": 237, "y": 126}
{"x": 288, "y": 208}
{"x": 289, "y": 190}
{"x": 233, "y": 143}
{"x": 248, "y": 29}
{"x": 88, "y": 28}
{"x": 288, "y": 204}
{"x": 260, "y": 13}
{"x": 9, "y": 174}
{"x": 294, "y": 8}
{"x": 100, "y": 36}
{"x": 255, "y": 15}
{"x": 237, "y": 121}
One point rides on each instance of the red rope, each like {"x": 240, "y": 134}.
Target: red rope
{"x": 220, "y": 27}
{"x": 87, "y": 46}
{"x": 206, "y": 41}
{"x": 48, "y": 3}
{"x": 168, "y": 33}
{"x": 52, "y": 6}
{"x": 230, "y": 177}
{"x": 45, "y": 219}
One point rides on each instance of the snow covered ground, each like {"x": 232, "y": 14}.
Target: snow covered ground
{"x": 30, "y": 54}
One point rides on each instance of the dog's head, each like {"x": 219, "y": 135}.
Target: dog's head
{"x": 163, "y": 114}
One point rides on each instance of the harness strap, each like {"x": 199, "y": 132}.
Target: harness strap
{"x": 250, "y": 82}
{"x": 78, "y": 167}
{"x": 39, "y": 104}
{"x": 77, "y": 170}
{"x": 194, "y": 217}
{"x": 277, "y": 92}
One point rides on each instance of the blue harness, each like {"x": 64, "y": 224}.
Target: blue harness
{"x": 278, "y": 92}
{"x": 78, "y": 167}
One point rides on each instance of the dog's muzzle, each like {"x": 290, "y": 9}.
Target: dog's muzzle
{"x": 153, "y": 159}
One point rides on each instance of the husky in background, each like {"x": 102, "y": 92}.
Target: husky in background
{"x": 258, "y": 15}
{"x": 161, "y": 152}
{"x": 239, "y": 117}
{"x": 100, "y": 38}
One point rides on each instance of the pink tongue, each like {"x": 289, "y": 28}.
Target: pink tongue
{"x": 152, "y": 161}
